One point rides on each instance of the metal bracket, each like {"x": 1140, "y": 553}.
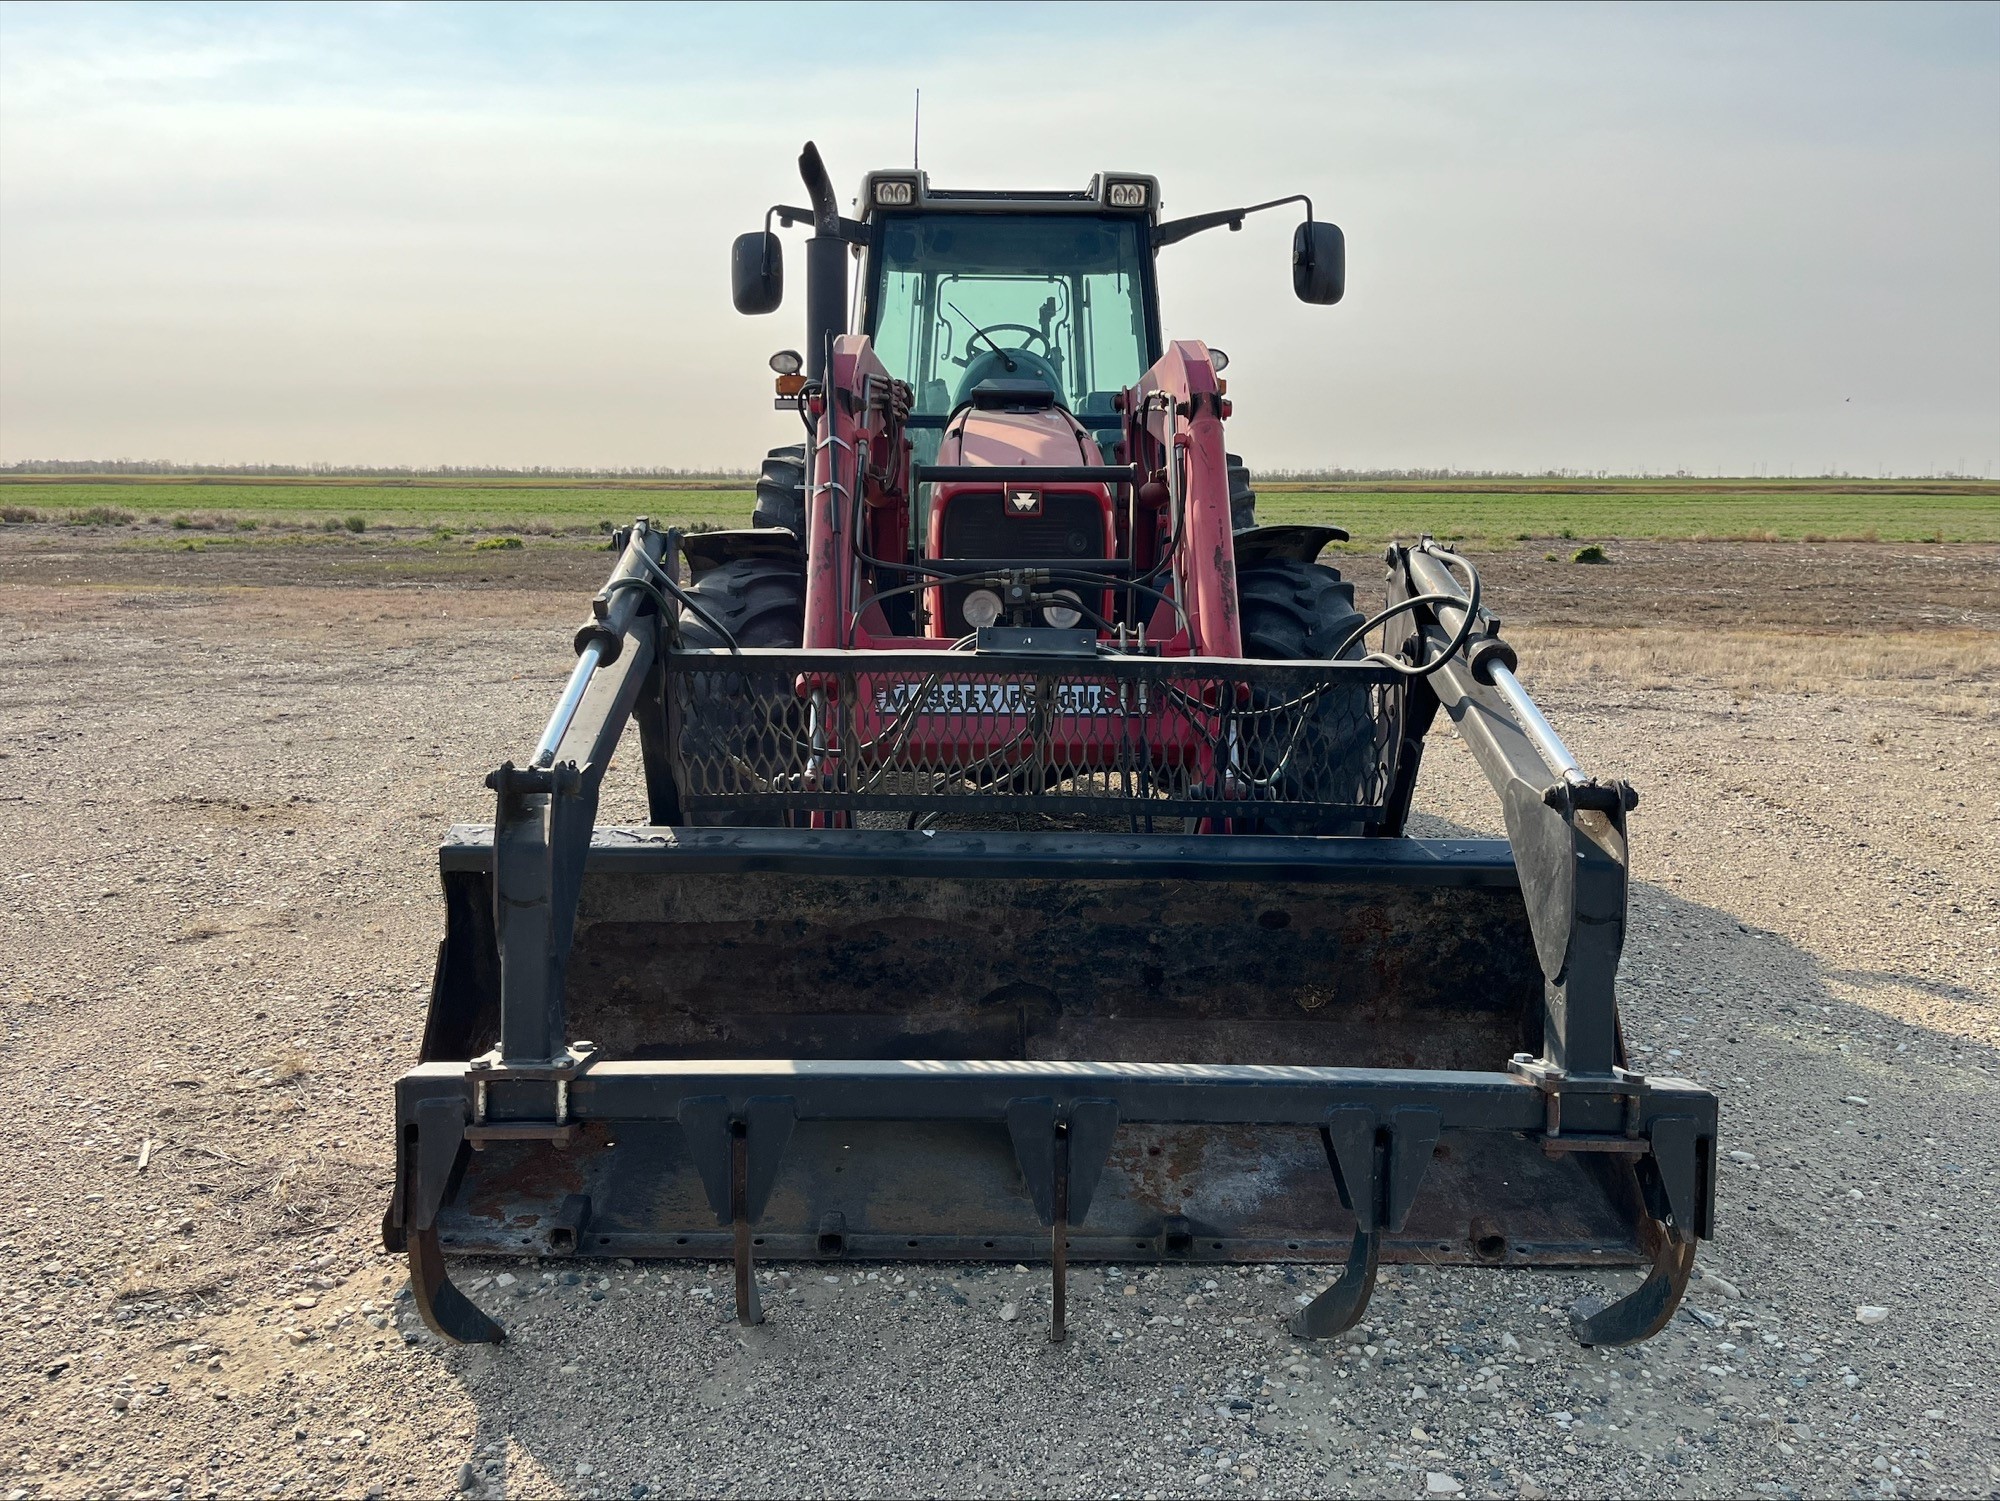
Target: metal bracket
{"x": 737, "y": 1154}
{"x": 1378, "y": 1166}
{"x": 490, "y": 1068}
{"x": 1677, "y": 1159}
{"x": 1554, "y": 1082}
{"x": 565, "y": 1232}
{"x": 440, "y": 1135}
{"x": 1061, "y": 1154}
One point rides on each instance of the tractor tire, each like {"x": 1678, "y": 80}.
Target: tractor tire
{"x": 781, "y": 490}
{"x": 1291, "y": 611}
{"x": 1242, "y": 499}
{"x": 760, "y": 602}
{"x": 1295, "y": 611}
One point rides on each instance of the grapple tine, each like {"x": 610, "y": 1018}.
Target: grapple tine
{"x": 1059, "y": 1244}
{"x": 749, "y": 1307}
{"x": 440, "y": 1139}
{"x": 1341, "y": 1305}
{"x": 446, "y": 1311}
{"x": 1643, "y": 1312}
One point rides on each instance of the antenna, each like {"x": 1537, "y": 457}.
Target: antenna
{"x": 917, "y": 133}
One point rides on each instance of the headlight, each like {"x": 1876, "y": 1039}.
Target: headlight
{"x": 787, "y": 362}
{"x": 981, "y": 608}
{"x": 1126, "y": 195}
{"x": 1062, "y": 617}
{"x": 892, "y": 193}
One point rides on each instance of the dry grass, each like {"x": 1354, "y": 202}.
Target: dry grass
{"x": 137, "y": 1283}
{"x": 1954, "y": 669}
{"x": 294, "y": 1186}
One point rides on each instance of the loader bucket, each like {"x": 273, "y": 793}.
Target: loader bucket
{"x": 962, "y": 955}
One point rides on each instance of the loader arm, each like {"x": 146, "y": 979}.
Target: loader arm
{"x": 858, "y": 517}
{"x": 1174, "y": 424}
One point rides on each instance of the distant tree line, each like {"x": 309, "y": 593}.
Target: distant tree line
{"x": 363, "y": 471}
{"x": 656, "y": 472}
{"x": 1337, "y": 475}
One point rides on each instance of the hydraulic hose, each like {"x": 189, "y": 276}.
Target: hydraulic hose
{"x": 1465, "y": 605}
{"x": 687, "y": 601}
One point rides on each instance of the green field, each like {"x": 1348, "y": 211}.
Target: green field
{"x": 1889, "y": 510}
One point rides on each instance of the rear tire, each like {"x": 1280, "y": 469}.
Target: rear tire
{"x": 781, "y": 490}
{"x": 1242, "y": 499}
{"x": 760, "y": 602}
{"x": 1291, "y": 611}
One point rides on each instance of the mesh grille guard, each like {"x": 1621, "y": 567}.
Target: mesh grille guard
{"x": 931, "y": 732}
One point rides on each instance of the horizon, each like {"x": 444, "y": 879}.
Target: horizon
{"x": 1654, "y": 240}
{"x": 85, "y": 469}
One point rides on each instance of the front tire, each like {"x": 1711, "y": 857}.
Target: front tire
{"x": 1292, "y": 611}
{"x": 736, "y": 733}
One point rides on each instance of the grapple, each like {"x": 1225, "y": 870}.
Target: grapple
{"x": 995, "y": 955}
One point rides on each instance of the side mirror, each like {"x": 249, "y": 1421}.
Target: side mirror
{"x": 1319, "y": 262}
{"x": 757, "y": 273}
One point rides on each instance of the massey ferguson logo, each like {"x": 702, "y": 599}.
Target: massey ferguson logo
{"x": 1024, "y": 502}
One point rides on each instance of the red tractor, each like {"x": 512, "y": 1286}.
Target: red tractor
{"x": 1026, "y": 872}
{"x": 1005, "y": 455}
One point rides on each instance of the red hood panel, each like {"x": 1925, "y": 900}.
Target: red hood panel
{"x": 1003, "y": 438}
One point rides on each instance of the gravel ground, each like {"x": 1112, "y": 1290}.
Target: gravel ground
{"x": 223, "y": 804}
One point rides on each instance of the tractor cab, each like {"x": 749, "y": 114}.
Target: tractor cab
{"x": 1019, "y": 332}
{"x": 1055, "y": 291}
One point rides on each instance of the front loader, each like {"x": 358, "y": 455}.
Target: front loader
{"x": 1026, "y": 874}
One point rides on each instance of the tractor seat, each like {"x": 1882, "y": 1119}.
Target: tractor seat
{"x": 1014, "y": 395}
{"x": 1030, "y": 372}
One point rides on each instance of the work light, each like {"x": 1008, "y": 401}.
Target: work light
{"x": 981, "y": 608}
{"x": 1064, "y": 617}
{"x": 895, "y": 193}
{"x": 1126, "y": 195}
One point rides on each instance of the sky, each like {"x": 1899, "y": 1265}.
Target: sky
{"x": 1722, "y": 239}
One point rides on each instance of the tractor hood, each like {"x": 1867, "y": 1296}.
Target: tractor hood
{"x": 1026, "y": 432}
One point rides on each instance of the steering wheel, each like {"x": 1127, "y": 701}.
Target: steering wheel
{"x": 991, "y": 329}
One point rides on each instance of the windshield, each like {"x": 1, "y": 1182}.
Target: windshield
{"x": 1059, "y": 298}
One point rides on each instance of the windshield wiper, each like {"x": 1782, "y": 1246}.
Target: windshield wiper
{"x": 1005, "y": 358}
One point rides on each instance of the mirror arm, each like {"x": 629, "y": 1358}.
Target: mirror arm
{"x": 1176, "y": 230}
{"x": 853, "y": 231}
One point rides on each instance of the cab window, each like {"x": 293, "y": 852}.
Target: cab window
{"x": 1054, "y": 298}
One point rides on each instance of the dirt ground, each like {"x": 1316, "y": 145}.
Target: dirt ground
{"x": 1787, "y": 586}
{"x": 222, "y": 787}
